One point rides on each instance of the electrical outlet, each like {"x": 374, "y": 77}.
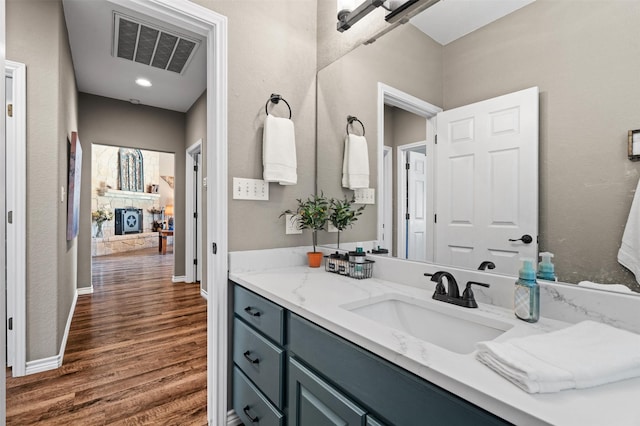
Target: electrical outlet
{"x": 365, "y": 196}
{"x": 291, "y": 225}
{"x": 331, "y": 228}
{"x": 250, "y": 189}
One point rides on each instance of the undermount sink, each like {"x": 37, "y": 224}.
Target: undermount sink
{"x": 453, "y": 328}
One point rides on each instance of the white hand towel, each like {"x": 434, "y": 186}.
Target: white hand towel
{"x": 279, "y": 151}
{"x": 583, "y": 355}
{"x": 355, "y": 167}
{"x": 629, "y": 253}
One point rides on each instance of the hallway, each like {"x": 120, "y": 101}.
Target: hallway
{"x": 136, "y": 353}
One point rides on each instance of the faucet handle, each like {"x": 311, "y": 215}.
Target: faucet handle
{"x": 467, "y": 294}
{"x": 435, "y": 277}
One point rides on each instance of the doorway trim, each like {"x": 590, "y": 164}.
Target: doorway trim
{"x": 213, "y": 26}
{"x": 388, "y": 95}
{"x": 16, "y": 168}
{"x": 401, "y": 211}
{"x": 190, "y": 237}
{"x": 386, "y": 226}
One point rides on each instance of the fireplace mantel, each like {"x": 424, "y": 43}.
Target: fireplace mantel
{"x": 116, "y": 193}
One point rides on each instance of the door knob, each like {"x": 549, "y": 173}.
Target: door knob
{"x": 526, "y": 238}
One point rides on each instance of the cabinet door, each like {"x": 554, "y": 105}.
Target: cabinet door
{"x": 312, "y": 401}
{"x": 373, "y": 422}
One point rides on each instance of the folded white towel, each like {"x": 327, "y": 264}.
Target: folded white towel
{"x": 580, "y": 356}
{"x": 279, "y": 151}
{"x": 355, "y": 167}
{"x": 629, "y": 253}
{"x": 620, "y": 288}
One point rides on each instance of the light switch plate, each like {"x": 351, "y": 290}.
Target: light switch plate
{"x": 365, "y": 196}
{"x": 250, "y": 189}
{"x": 291, "y": 225}
{"x": 331, "y": 228}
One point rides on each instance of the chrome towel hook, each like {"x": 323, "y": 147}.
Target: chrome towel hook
{"x": 350, "y": 120}
{"x": 275, "y": 98}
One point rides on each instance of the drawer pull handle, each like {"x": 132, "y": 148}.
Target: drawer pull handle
{"x": 246, "y": 411}
{"x": 252, "y": 312}
{"x": 247, "y": 355}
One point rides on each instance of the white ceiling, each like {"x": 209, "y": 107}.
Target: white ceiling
{"x": 90, "y": 27}
{"x": 448, "y": 20}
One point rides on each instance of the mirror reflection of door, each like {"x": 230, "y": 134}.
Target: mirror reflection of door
{"x": 487, "y": 182}
{"x": 416, "y": 201}
{"x": 475, "y": 193}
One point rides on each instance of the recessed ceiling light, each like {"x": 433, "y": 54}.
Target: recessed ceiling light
{"x": 143, "y": 82}
{"x": 135, "y": 101}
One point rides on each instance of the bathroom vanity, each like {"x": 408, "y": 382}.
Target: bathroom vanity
{"x": 307, "y": 346}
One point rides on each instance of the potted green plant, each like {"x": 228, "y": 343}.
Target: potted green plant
{"x": 311, "y": 213}
{"x": 343, "y": 214}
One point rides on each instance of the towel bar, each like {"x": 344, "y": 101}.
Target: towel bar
{"x": 275, "y": 98}
{"x": 350, "y": 120}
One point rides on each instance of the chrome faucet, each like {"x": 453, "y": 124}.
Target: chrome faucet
{"x": 451, "y": 294}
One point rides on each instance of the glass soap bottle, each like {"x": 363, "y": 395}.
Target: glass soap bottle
{"x": 526, "y": 304}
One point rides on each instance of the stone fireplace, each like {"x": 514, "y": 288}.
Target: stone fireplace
{"x": 119, "y": 234}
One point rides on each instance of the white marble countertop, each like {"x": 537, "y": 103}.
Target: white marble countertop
{"x": 319, "y": 296}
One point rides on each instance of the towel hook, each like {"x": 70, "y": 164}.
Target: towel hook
{"x": 275, "y": 98}
{"x": 350, "y": 120}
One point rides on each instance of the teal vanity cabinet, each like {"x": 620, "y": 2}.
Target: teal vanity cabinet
{"x": 258, "y": 359}
{"x": 329, "y": 380}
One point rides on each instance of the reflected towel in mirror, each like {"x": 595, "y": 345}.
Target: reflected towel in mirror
{"x": 629, "y": 253}
{"x": 355, "y": 167}
{"x": 583, "y": 355}
{"x": 279, "y": 151}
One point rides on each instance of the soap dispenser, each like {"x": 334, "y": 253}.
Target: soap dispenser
{"x": 527, "y": 293}
{"x": 546, "y": 270}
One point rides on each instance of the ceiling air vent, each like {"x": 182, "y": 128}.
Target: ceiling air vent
{"x": 151, "y": 45}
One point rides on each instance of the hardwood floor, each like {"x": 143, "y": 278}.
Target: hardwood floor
{"x": 136, "y": 353}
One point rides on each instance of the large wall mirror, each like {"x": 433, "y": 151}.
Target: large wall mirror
{"x": 583, "y": 58}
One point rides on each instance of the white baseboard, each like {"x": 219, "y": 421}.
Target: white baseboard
{"x": 204, "y": 294}
{"x": 53, "y": 362}
{"x": 178, "y": 279}
{"x": 85, "y": 290}
{"x": 233, "y": 419}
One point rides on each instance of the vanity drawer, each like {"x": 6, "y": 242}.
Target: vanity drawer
{"x": 260, "y": 360}
{"x": 250, "y": 405}
{"x": 260, "y": 313}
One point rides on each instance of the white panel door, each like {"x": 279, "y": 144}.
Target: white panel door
{"x": 487, "y": 191}
{"x": 417, "y": 206}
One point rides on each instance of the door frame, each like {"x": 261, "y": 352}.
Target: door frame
{"x": 213, "y": 26}
{"x": 16, "y": 184}
{"x": 190, "y": 237}
{"x": 387, "y": 196}
{"x": 401, "y": 189}
{"x": 388, "y": 95}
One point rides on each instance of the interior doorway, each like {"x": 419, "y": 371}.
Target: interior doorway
{"x": 193, "y": 213}
{"x": 132, "y": 201}
{"x": 15, "y": 214}
{"x": 414, "y": 188}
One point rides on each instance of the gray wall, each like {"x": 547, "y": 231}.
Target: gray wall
{"x": 196, "y": 129}
{"x": 584, "y": 57}
{"x": 272, "y": 49}
{"x": 333, "y": 44}
{"x": 349, "y": 86}
{"x": 108, "y": 121}
{"x": 36, "y": 35}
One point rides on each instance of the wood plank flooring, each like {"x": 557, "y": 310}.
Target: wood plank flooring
{"x": 136, "y": 353}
